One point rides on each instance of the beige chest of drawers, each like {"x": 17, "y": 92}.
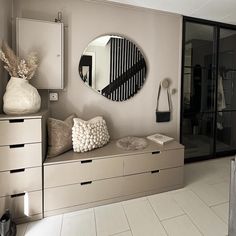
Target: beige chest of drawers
{"x": 74, "y": 181}
{"x": 22, "y": 150}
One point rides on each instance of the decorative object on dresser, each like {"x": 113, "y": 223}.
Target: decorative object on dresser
{"x": 88, "y": 135}
{"x": 20, "y": 97}
{"x": 22, "y": 151}
{"x": 132, "y": 143}
{"x": 110, "y": 174}
{"x": 160, "y": 138}
{"x": 59, "y": 135}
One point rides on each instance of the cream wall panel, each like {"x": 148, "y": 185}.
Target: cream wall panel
{"x": 150, "y": 181}
{"x": 23, "y": 205}
{"x": 46, "y": 38}
{"x": 27, "y": 155}
{"x": 18, "y": 181}
{"x": 76, "y": 194}
{"x": 157, "y": 34}
{"x": 153, "y": 161}
{"x": 24, "y": 131}
{"x": 5, "y": 34}
{"x": 88, "y": 170}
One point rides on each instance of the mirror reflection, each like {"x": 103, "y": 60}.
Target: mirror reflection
{"x": 114, "y": 67}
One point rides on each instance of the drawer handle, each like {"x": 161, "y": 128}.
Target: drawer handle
{"x": 16, "y": 121}
{"x": 16, "y": 171}
{"x": 85, "y": 183}
{"x": 86, "y": 161}
{"x": 17, "y": 146}
{"x": 17, "y": 195}
{"x": 156, "y": 152}
{"x": 155, "y": 171}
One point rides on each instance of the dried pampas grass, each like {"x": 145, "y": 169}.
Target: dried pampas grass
{"x": 17, "y": 67}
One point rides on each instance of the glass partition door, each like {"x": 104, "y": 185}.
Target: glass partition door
{"x": 199, "y": 89}
{"x": 208, "y": 111}
{"x": 226, "y": 98}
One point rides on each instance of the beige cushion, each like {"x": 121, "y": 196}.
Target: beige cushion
{"x": 59, "y": 135}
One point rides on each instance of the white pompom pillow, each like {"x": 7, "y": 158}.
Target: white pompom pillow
{"x": 88, "y": 135}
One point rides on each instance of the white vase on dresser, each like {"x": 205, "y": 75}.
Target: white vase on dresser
{"x": 20, "y": 97}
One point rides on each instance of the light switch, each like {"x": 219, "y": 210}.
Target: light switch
{"x": 53, "y": 97}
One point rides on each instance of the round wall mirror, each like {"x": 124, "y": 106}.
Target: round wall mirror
{"x": 114, "y": 67}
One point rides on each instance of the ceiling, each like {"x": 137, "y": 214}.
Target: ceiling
{"x": 215, "y": 10}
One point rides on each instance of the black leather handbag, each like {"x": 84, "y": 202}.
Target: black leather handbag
{"x": 163, "y": 116}
{"x": 7, "y": 226}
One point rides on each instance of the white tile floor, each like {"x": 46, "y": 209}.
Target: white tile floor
{"x": 201, "y": 208}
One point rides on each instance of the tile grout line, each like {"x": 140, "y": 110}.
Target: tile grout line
{"x": 95, "y": 221}
{"x": 173, "y": 217}
{"x": 195, "y": 192}
{"x": 25, "y": 229}
{"x": 197, "y": 228}
{"x": 120, "y": 233}
{"x": 187, "y": 213}
{"x": 218, "y": 204}
{"x": 157, "y": 216}
{"x": 62, "y": 219}
{"x": 127, "y": 218}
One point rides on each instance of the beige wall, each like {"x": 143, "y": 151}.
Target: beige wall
{"x": 157, "y": 34}
{"x": 5, "y": 34}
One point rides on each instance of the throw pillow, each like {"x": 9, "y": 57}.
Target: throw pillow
{"x": 88, "y": 135}
{"x": 59, "y": 135}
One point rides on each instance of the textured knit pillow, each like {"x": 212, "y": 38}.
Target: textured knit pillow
{"x": 59, "y": 135}
{"x": 88, "y": 135}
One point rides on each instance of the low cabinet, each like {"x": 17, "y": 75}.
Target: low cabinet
{"x": 74, "y": 181}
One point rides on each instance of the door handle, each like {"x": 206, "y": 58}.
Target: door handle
{"x": 156, "y": 152}
{"x": 86, "y": 183}
{"x": 16, "y": 121}
{"x": 17, "y": 146}
{"x": 86, "y": 161}
{"x": 17, "y": 171}
{"x": 17, "y": 195}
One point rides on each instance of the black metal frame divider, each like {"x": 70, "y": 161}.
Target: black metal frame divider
{"x": 217, "y": 26}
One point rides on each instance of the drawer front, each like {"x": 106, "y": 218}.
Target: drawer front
{"x": 20, "y": 156}
{"x": 18, "y": 181}
{"x": 77, "y": 194}
{"x": 22, "y": 205}
{"x": 20, "y": 131}
{"x": 153, "y": 181}
{"x": 77, "y": 172}
{"x": 151, "y": 161}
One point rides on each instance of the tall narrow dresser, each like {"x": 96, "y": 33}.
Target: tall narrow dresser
{"x": 22, "y": 152}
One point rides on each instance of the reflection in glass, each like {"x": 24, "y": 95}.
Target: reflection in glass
{"x": 226, "y": 100}
{"x": 114, "y": 67}
{"x": 226, "y": 131}
{"x": 227, "y": 70}
{"x": 198, "y": 90}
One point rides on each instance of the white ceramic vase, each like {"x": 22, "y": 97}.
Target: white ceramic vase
{"x": 20, "y": 97}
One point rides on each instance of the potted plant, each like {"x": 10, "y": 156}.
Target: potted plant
{"x": 20, "y": 96}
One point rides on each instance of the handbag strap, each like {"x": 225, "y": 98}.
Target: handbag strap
{"x": 158, "y": 97}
